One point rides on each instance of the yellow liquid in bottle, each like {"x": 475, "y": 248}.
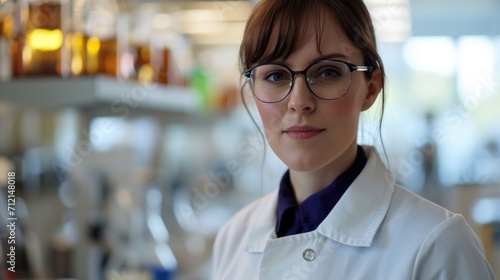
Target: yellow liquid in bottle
{"x": 78, "y": 56}
{"x": 101, "y": 56}
{"x": 93, "y": 56}
{"x": 108, "y": 57}
{"x": 42, "y": 51}
{"x": 144, "y": 72}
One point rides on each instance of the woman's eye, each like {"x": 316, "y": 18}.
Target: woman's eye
{"x": 329, "y": 73}
{"x": 275, "y": 77}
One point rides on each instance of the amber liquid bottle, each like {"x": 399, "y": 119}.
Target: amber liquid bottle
{"x": 17, "y": 42}
{"x": 107, "y": 57}
{"x": 160, "y": 62}
{"x": 94, "y": 43}
{"x": 143, "y": 70}
{"x": 92, "y": 56}
{"x": 17, "y": 39}
{"x": 45, "y": 50}
{"x": 139, "y": 46}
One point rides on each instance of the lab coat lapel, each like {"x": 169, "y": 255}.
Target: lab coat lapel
{"x": 359, "y": 213}
{"x": 263, "y": 228}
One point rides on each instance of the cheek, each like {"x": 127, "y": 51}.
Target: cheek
{"x": 352, "y": 103}
{"x": 272, "y": 116}
{"x": 342, "y": 109}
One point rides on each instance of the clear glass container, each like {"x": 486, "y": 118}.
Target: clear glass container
{"x": 170, "y": 57}
{"x": 161, "y": 55}
{"x": 160, "y": 58}
{"x": 6, "y": 22}
{"x": 140, "y": 33}
{"x": 94, "y": 37}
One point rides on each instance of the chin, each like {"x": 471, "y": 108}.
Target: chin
{"x": 304, "y": 163}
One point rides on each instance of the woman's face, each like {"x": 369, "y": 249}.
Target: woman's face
{"x": 310, "y": 134}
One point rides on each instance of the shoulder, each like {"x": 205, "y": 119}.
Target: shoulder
{"x": 419, "y": 212}
{"x": 452, "y": 251}
{"x": 407, "y": 203}
{"x": 447, "y": 248}
{"x": 249, "y": 215}
{"x": 410, "y": 219}
{"x": 423, "y": 219}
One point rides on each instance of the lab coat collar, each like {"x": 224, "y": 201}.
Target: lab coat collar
{"x": 353, "y": 221}
{"x": 359, "y": 213}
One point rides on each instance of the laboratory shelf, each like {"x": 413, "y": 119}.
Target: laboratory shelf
{"x": 103, "y": 93}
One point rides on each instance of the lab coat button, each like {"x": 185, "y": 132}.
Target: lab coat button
{"x": 309, "y": 255}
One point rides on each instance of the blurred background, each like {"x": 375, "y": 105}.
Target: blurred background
{"x": 123, "y": 123}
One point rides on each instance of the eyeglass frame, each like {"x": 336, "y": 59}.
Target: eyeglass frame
{"x": 352, "y": 68}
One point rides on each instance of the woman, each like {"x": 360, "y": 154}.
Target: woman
{"x": 313, "y": 67}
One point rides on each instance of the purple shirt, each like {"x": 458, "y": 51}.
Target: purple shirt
{"x": 294, "y": 219}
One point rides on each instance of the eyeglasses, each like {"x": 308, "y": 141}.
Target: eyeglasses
{"x": 326, "y": 79}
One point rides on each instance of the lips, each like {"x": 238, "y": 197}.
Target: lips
{"x": 303, "y": 132}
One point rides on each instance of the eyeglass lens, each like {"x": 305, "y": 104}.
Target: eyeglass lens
{"x": 326, "y": 79}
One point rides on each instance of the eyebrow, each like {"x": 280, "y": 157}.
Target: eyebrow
{"x": 323, "y": 57}
{"x": 330, "y": 56}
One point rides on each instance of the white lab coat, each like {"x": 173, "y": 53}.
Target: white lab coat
{"x": 378, "y": 230}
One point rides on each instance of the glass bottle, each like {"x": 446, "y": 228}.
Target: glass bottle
{"x": 161, "y": 62}
{"x": 171, "y": 57}
{"x": 6, "y": 21}
{"x": 41, "y": 45}
{"x": 139, "y": 45}
{"x": 159, "y": 47}
{"x": 94, "y": 37}
{"x": 17, "y": 40}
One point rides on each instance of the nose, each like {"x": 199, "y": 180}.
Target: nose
{"x": 301, "y": 98}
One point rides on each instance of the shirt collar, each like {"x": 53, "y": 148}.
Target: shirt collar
{"x": 353, "y": 221}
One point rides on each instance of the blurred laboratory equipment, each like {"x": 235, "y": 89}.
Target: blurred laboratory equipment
{"x": 485, "y": 166}
{"x": 122, "y": 206}
{"x": 431, "y": 185}
{"x": 144, "y": 252}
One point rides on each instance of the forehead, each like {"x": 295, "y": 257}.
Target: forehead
{"x": 318, "y": 34}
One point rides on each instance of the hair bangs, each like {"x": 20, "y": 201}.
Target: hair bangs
{"x": 281, "y": 29}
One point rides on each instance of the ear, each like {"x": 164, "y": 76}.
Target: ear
{"x": 374, "y": 87}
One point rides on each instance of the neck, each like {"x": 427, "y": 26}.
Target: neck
{"x": 307, "y": 183}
